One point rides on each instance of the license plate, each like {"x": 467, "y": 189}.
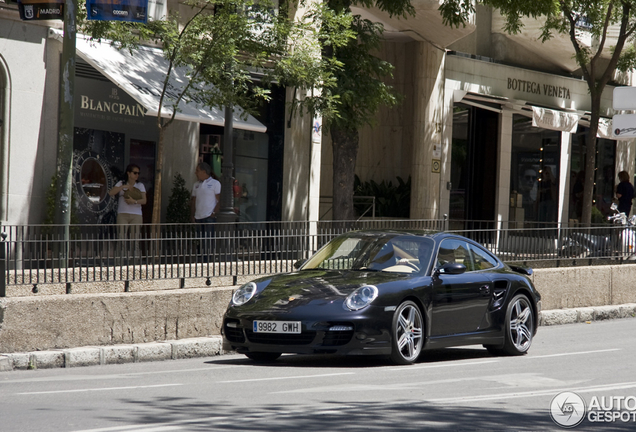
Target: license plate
{"x": 289, "y": 327}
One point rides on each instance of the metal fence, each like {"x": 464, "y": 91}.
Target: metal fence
{"x": 35, "y": 255}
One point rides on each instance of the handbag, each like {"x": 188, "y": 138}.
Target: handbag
{"x": 133, "y": 193}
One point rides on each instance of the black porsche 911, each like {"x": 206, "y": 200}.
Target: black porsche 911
{"x": 386, "y": 293}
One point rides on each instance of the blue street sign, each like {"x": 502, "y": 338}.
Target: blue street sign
{"x": 117, "y": 10}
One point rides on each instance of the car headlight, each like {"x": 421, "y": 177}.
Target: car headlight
{"x": 244, "y": 294}
{"x": 360, "y": 298}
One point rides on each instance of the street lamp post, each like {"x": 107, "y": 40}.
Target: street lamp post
{"x": 66, "y": 131}
{"x": 66, "y": 120}
{"x": 226, "y": 212}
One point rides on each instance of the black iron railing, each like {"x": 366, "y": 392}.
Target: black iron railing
{"x": 36, "y": 255}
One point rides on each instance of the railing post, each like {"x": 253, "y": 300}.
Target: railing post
{"x": 3, "y": 266}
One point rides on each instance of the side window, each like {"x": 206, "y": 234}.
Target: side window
{"x": 413, "y": 251}
{"x": 482, "y": 259}
{"x": 457, "y": 251}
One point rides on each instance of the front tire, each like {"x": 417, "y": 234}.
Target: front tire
{"x": 520, "y": 326}
{"x": 407, "y": 334}
{"x": 262, "y": 356}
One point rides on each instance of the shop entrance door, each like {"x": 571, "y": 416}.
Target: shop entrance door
{"x": 473, "y": 168}
{"x": 142, "y": 153}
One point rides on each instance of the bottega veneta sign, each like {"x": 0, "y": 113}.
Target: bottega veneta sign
{"x": 538, "y": 88}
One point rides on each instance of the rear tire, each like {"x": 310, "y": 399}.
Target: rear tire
{"x": 262, "y": 356}
{"x": 519, "y": 326}
{"x": 407, "y": 334}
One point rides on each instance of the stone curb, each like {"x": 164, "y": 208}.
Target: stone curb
{"x": 213, "y": 345}
{"x": 114, "y": 354}
{"x": 587, "y": 314}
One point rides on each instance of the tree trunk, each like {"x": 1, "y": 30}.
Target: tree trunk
{"x": 590, "y": 160}
{"x": 345, "y": 153}
{"x": 156, "y": 205}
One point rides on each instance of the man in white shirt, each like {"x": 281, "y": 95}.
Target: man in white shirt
{"x": 204, "y": 205}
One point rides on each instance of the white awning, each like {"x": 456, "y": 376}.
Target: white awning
{"x": 142, "y": 74}
{"x": 475, "y": 100}
{"x": 546, "y": 118}
{"x": 554, "y": 119}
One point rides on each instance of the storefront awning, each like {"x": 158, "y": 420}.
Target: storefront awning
{"x": 142, "y": 74}
{"x": 554, "y": 119}
{"x": 546, "y": 118}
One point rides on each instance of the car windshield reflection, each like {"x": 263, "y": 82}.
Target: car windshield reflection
{"x": 388, "y": 253}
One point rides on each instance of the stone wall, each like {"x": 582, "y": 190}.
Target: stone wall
{"x": 36, "y": 323}
{"x": 574, "y": 287}
{"x": 74, "y": 320}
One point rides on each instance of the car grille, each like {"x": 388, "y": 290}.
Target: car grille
{"x": 337, "y": 338}
{"x": 233, "y": 334}
{"x": 304, "y": 338}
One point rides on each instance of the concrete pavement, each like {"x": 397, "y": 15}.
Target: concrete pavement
{"x": 211, "y": 346}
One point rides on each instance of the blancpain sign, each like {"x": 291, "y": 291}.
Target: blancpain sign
{"x": 112, "y": 107}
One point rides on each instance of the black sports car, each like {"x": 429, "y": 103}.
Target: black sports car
{"x": 386, "y": 293}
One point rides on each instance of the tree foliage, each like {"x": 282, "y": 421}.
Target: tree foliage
{"x": 222, "y": 43}
{"x": 359, "y": 92}
{"x": 575, "y": 19}
{"x": 390, "y": 200}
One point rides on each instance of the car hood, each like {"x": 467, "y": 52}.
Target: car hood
{"x": 316, "y": 287}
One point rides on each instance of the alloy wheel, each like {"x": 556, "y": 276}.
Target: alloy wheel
{"x": 521, "y": 324}
{"x": 407, "y": 333}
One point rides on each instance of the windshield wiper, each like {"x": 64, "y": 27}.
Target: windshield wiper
{"x": 365, "y": 269}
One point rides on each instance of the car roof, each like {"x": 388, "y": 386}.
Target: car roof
{"x": 393, "y": 232}
{"x": 434, "y": 234}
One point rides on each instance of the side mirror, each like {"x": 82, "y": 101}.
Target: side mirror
{"x": 450, "y": 268}
{"x": 614, "y": 206}
{"x": 299, "y": 263}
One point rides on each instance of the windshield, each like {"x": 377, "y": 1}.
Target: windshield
{"x": 387, "y": 253}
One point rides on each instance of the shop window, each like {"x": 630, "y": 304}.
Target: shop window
{"x": 251, "y": 155}
{"x": 605, "y": 176}
{"x": 459, "y": 160}
{"x": 534, "y": 173}
{"x": 210, "y": 151}
{"x": 251, "y": 174}
{"x": 142, "y": 154}
{"x": 94, "y": 183}
{"x": 98, "y": 163}
{"x": 474, "y": 155}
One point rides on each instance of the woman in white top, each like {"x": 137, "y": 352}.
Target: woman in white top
{"x": 129, "y": 207}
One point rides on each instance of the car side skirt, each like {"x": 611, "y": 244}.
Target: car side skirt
{"x": 477, "y": 338}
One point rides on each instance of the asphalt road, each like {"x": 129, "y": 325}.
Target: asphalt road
{"x": 452, "y": 389}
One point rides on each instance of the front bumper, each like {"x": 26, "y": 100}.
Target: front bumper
{"x": 365, "y": 333}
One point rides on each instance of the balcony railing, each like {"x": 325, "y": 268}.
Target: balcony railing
{"x": 41, "y": 255}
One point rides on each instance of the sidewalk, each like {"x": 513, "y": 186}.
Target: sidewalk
{"x": 212, "y": 346}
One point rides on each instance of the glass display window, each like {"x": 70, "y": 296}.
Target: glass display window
{"x": 534, "y": 173}
{"x": 605, "y": 179}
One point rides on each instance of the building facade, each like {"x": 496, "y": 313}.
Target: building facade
{"x": 491, "y": 127}
{"x": 115, "y": 120}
